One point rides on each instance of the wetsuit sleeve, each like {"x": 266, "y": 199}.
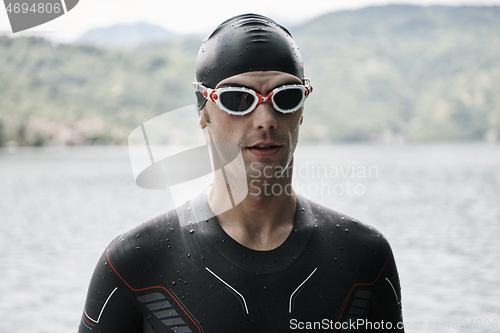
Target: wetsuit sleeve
{"x": 386, "y": 308}
{"x": 108, "y": 307}
{"x": 375, "y": 306}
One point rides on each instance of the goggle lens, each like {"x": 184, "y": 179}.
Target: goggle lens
{"x": 237, "y": 101}
{"x": 288, "y": 99}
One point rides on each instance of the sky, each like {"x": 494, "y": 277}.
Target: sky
{"x": 196, "y": 16}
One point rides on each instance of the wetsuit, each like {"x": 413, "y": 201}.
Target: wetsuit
{"x": 161, "y": 277}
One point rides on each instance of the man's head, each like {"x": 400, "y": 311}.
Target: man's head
{"x": 250, "y": 87}
{"x": 246, "y": 43}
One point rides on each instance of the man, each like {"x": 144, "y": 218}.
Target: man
{"x": 270, "y": 262}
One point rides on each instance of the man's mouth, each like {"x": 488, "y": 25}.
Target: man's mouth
{"x": 264, "y": 146}
{"x": 265, "y": 150}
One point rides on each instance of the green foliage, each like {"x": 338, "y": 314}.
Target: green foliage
{"x": 379, "y": 73}
{"x": 81, "y": 94}
{"x": 421, "y": 73}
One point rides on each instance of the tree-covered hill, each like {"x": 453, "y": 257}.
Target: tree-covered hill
{"x": 380, "y": 73}
{"x": 80, "y": 94}
{"x": 126, "y": 35}
{"x": 426, "y": 73}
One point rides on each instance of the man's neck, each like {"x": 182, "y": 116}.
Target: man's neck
{"x": 260, "y": 222}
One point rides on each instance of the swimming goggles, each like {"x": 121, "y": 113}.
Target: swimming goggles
{"x": 240, "y": 100}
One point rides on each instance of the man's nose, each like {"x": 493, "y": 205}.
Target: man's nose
{"x": 264, "y": 116}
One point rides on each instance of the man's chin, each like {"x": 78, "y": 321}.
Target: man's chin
{"x": 268, "y": 169}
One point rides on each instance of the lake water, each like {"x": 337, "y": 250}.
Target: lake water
{"x": 439, "y": 206}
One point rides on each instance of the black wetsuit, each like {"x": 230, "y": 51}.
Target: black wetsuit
{"x": 161, "y": 277}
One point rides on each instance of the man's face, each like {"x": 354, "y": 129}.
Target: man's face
{"x": 265, "y": 136}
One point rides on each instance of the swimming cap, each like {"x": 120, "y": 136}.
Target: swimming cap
{"x": 246, "y": 43}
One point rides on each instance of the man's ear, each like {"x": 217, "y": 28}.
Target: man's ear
{"x": 203, "y": 119}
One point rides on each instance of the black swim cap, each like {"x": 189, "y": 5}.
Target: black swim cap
{"x": 246, "y": 43}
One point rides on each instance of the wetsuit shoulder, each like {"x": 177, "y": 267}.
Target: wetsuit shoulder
{"x": 126, "y": 267}
{"x": 363, "y": 236}
{"x": 366, "y": 255}
{"x": 133, "y": 253}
